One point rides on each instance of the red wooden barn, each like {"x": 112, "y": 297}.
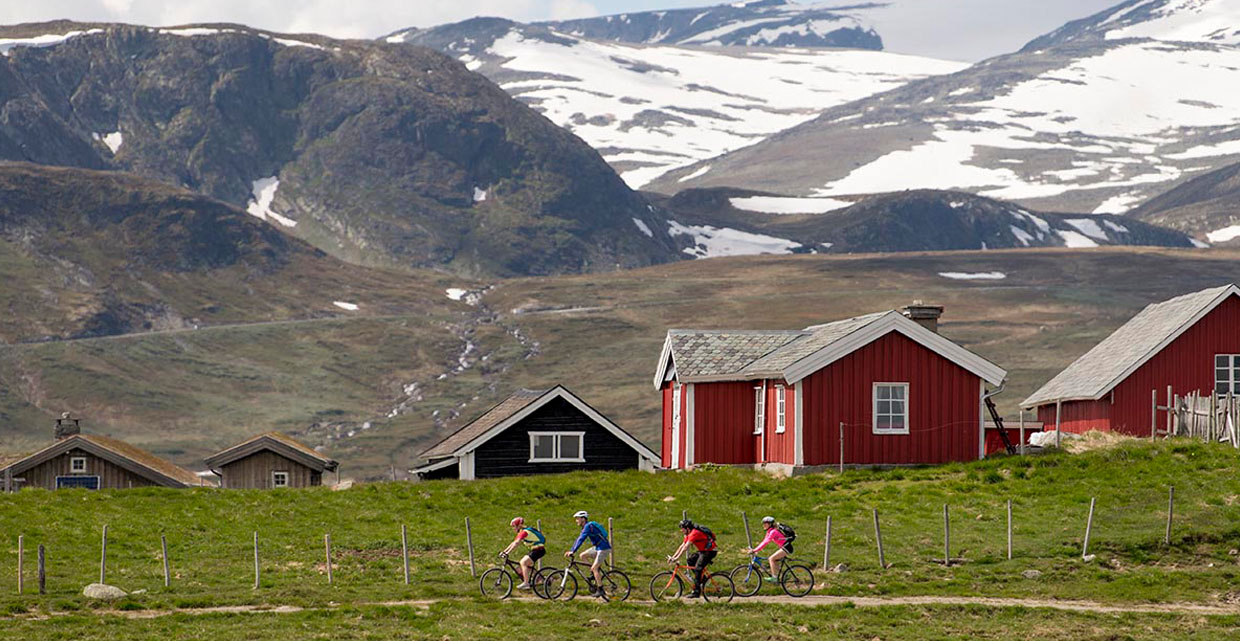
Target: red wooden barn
{"x": 883, "y": 389}
{"x": 1190, "y": 343}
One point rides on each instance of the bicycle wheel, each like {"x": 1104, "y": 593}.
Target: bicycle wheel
{"x": 747, "y": 579}
{"x": 797, "y": 580}
{"x": 718, "y": 589}
{"x": 496, "y": 583}
{"x": 617, "y": 585}
{"x": 538, "y": 581}
{"x": 666, "y": 586}
{"x": 561, "y": 584}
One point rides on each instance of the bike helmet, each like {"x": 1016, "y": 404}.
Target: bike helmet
{"x": 768, "y": 519}
{"x": 582, "y": 515}
{"x": 517, "y": 522}
{"x": 686, "y": 524}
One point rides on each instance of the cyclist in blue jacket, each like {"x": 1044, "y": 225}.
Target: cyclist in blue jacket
{"x": 598, "y": 554}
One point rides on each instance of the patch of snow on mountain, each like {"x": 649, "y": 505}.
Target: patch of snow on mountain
{"x": 480, "y": 195}
{"x": 1225, "y": 148}
{"x": 190, "y": 32}
{"x": 1021, "y": 235}
{"x": 651, "y": 109}
{"x": 645, "y": 229}
{"x": 1213, "y": 21}
{"x": 264, "y": 191}
{"x": 701, "y": 171}
{"x": 711, "y": 242}
{"x": 1114, "y": 226}
{"x": 1074, "y": 239}
{"x": 807, "y": 28}
{"x": 113, "y": 140}
{"x": 1088, "y": 227}
{"x": 778, "y": 205}
{"x": 46, "y": 40}
{"x": 352, "y": 307}
{"x": 288, "y": 42}
{"x": 974, "y": 275}
{"x": 1117, "y": 204}
{"x": 1082, "y": 111}
{"x": 1223, "y": 235}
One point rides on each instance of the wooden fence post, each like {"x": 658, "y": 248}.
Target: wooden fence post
{"x": 42, "y": 571}
{"x": 1170, "y": 410}
{"x": 404, "y": 551}
{"x": 947, "y": 538}
{"x": 684, "y": 515}
{"x": 878, "y": 535}
{"x": 1009, "y": 528}
{"x": 327, "y": 550}
{"x": 21, "y": 552}
{"x": 1022, "y": 432}
{"x": 1170, "y": 513}
{"x": 826, "y": 552}
{"x": 1153, "y": 413}
{"x": 103, "y": 556}
{"x": 163, "y": 544}
{"x": 256, "y": 571}
{"x": 1089, "y": 526}
{"x": 611, "y": 557}
{"x": 748, "y": 538}
{"x": 469, "y": 542}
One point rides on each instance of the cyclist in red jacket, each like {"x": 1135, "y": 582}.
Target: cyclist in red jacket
{"x": 703, "y": 539}
{"x": 537, "y": 544}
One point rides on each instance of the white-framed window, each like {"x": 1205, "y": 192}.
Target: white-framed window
{"x": 781, "y": 403}
{"x": 77, "y": 465}
{"x": 890, "y": 408}
{"x": 759, "y": 410}
{"x": 1226, "y": 374}
{"x": 279, "y": 479}
{"x": 557, "y": 447}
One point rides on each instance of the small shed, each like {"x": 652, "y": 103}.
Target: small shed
{"x": 270, "y": 460}
{"x": 92, "y": 462}
{"x": 535, "y": 432}
{"x": 1189, "y": 343}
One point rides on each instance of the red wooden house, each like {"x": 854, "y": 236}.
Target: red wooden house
{"x": 1190, "y": 343}
{"x": 882, "y": 389}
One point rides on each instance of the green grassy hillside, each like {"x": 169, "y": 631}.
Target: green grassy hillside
{"x": 210, "y": 531}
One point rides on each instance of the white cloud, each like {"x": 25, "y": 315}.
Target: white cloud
{"x": 352, "y": 19}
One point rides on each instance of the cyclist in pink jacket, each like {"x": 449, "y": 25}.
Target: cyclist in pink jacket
{"x": 773, "y": 535}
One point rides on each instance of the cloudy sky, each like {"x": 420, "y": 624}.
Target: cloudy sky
{"x": 957, "y": 29}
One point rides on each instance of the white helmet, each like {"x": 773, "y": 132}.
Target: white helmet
{"x": 581, "y": 515}
{"x": 768, "y": 519}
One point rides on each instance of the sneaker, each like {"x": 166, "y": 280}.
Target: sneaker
{"x": 523, "y": 586}
{"x": 694, "y": 594}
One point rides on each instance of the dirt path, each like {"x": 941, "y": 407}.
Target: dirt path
{"x": 810, "y": 601}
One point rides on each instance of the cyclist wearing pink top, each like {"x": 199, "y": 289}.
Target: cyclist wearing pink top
{"x": 773, "y": 535}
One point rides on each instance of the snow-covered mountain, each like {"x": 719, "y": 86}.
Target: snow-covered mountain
{"x": 773, "y": 23}
{"x": 1096, "y": 116}
{"x": 649, "y": 109}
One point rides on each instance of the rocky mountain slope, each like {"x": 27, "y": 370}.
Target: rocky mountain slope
{"x": 719, "y": 219}
{"x": 651, "y": 108}
{"x": 1207, "y": 206}
{"x": 97, "y": 253}
{"x": 377, "y": 153}
{"x": 1082, "y": 123}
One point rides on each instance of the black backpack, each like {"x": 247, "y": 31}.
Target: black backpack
{"x": 790, "y": 534}
{"x": 705, "y": 530}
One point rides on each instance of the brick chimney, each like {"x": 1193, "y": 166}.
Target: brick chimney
{"x": 925, "y": 315}
{"x": 67, "y": 426}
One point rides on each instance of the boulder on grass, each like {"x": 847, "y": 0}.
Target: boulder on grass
{"x": 103, "y": 592}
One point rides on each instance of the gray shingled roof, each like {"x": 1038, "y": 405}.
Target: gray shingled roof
{"x": 479, "y": 426}
{"x": 1104, "y": 366}
{"x": 811, "y": 340}
{"x": 700, "y": 353}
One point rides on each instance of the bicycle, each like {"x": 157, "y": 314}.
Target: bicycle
{"x": 796, "y": 578}
{"x": 498, "y": 582}
{"x": 668, "y": 584}
{"x": 616, "y": 584}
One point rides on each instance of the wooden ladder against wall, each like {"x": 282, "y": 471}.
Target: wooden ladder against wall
{"x": 994, "y": 415}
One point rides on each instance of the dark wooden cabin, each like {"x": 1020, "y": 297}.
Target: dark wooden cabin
{"x": 270, "y": 460}
{"x": 532, "y": 432}
{"x": 92, "y": 462}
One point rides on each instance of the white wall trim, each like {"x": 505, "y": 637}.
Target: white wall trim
{"x": 798, "y": 424}
{"x": 676, "y": 421}
{"x": 466, "y": 470}
{"x": 981, "y": 421}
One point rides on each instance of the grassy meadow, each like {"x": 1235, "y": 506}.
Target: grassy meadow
{"x": 210, "y": 532}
